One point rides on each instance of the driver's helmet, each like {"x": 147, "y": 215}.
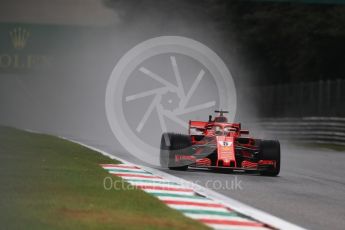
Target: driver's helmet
{"x": 229, "y": 129}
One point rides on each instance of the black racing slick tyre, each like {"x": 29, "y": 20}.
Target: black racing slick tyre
{"x": 172, "y": 144}
{"x": 270, "y": 150}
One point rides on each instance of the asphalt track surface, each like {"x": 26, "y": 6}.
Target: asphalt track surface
{"x": 309, "y": 192}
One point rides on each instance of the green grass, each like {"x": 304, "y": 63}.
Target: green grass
{"x": 50, "y": 183}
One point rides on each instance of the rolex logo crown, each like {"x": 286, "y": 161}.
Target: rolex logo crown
{"x": 19, "y": 37}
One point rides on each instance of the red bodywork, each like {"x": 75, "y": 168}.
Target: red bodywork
{"x": 219, "y": 144}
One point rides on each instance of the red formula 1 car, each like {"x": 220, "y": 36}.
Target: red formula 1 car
{"x": 217, "y": 144}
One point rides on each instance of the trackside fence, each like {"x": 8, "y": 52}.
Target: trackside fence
{"x": 329, "y": 130}
{"x": 304, "y": 99}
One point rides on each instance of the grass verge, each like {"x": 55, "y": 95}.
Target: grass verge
{"x": 50, "y": 183}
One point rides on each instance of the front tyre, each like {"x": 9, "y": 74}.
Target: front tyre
{"x": 171, "y": 145}
{"x": 270, "y": 150}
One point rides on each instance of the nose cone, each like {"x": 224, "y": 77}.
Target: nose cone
{"x": 226, "y": 151}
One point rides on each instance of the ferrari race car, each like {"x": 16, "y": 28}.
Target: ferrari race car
{"x": 218, "y": 144}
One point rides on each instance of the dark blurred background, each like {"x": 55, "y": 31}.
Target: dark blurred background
{"x": 286, "y": 57}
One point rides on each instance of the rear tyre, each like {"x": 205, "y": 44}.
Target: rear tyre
{"x": 172, "y": 144}
{"x": 270, "y": 150}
